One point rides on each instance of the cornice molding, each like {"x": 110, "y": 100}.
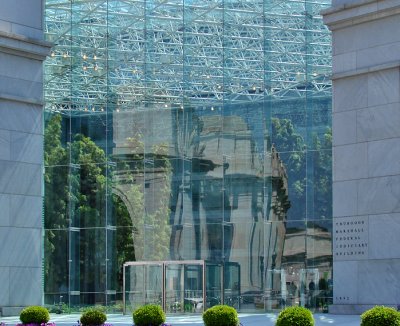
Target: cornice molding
{"x": 358, "y": 12}
{"x": 20, "y": 99}
{"x": 23, "y": 46}
{"x": 372, "y": 69}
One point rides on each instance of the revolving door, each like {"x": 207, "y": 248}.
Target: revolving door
{"x": 185, "y": 286}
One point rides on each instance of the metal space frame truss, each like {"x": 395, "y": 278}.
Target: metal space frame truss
{"x": 137, "y": 54}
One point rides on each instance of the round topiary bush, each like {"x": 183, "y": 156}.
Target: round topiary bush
{"x": 93, "y": 316}
{"x": 295, "y": 316}
{"x": 380, "y": 316}
{"x": 220, "y": 315}
{"x": 149, "y": 315}
{"x": 34, "y": 315}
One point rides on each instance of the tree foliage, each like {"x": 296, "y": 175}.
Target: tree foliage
{"x": 306, "y": 167}
{"x": 82, "y": 195}
{"x": 78, "y": 189}
{"x": 292, "y": 149}
{"x": 55, "y": 205}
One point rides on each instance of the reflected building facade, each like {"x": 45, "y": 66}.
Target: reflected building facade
{"x": 188, "y": 131}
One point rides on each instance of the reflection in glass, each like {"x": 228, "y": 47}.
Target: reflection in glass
{"x": 143, "y": 285}
{"x": 188, "y": 130}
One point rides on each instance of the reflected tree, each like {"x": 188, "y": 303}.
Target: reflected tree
{"x": 292, "y": 147}
{"x": 55, "y": 207}
{"x": 323, "y": 175}
{"x": 77, "y": 188}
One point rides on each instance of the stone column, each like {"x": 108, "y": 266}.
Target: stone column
{"x": 22, "y": 51}
{"x": 366, "y": 149}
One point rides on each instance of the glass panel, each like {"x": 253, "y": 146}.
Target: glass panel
{"x": 295, "y": 243}
{"x": 295, "y": 164}
{"x": 57, "y": 200}
{"x": 56, "y": 266}
{"x": 143, "y": 285}
{"x": 232, "y": 286}
{"x": 92, "y": 265}
{"x": 309, "y": 279}
{"x": 124, "y": 252}
{"x": 214, "y": 285}
{"x": 276, "y": 295}
{"x": 319, "y": 260}
{"x": 194, "y": 288}
{"x": 77, "y": 250}
{"x": 186, "y": 130}
{"x": 174, "y": 284}
{"x": 320, "y": 172}
{"x": 183, "y": 288}
{"x": 134, "y": 287}
{"x": 324, "y": 296}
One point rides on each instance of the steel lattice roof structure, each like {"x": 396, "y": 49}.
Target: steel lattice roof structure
{"x": 133, "y": 54}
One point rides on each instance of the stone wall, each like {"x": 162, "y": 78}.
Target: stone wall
{"x": 366, "y": 150}
{"x": 22, "y": 51}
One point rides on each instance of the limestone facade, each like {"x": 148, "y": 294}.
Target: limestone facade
{"x": 366, "y": 150}
{"x": 22, "y": 51}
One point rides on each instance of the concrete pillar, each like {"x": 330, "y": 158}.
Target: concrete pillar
{"x": 22, "y": 51}
{"x": 366, "y": 153}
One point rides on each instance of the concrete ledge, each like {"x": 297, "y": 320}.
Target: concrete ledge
{"x": 358, "y": 12}
{"x": 24, "y": 46}
{"x": 348, "y": 5}
{"x": 13, "y": 98}
{"x": 11, "y": 311}
{"x": 357, "y": 72}
{"x": 352, "y": 309}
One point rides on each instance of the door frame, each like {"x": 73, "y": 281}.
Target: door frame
{"x": 164, "y": 264}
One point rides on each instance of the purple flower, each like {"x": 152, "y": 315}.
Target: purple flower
{"x": 163, "y": 324}
{"x": 33, "y": 324}
{"x": 79, "y": 324}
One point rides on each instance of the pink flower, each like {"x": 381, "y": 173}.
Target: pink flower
{"x": 33, "y": 324}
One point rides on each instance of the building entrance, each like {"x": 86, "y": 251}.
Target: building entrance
{"x": 186, "y": 286}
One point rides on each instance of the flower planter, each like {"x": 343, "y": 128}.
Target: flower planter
{"x": 34, "y": 324}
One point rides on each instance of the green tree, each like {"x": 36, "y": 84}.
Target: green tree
{"x": 88, "y": 182}
{"x": 55, "y": 207}
{"x": 323, "y": 175}
{"x": 88, "y": 210}
{"x": 292, "y": 149}
{"x": 124, "y": 242}
{"x": 77, "y": 188}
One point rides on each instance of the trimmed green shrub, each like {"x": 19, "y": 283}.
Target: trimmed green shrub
{"x": 220, "y": 315}
{"x": 380, "y": 316}
{"x": 34, "y": 315}
{"x": 93, "y": 316}
{"x": 295, "y": 316}
{"x": 149, "y": 315}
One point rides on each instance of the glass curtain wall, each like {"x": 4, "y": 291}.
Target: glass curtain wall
{"x": 188, "y": 130}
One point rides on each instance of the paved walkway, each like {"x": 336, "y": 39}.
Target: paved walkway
{"x": 267, "y": 319}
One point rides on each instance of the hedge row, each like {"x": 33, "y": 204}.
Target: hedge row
{"x": 220, "y": 315}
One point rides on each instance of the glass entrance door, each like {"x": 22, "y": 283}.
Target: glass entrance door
{"x": 232, "y": 286}
{"x": 143, "y": 284}
{"x": 177, "y": 286}
{"x": 214, "y": 278}
{"x": 184, "y": 287}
